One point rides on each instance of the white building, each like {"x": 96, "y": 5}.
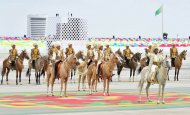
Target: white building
{"x": 37, "y": 26}
{"x": 74, "y": 29}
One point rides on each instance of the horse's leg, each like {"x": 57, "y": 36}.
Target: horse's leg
{"x": 48, "y": 80}
{"x": 141, "y": 83}
{"x": 20, "y": 77}
{"x": 83, "y": 82}
{"x": 89, "y": 83}
{"x": 39, "y": 77}
{"x": 108, "y": 83}
{"x": 134, "y": 74}
{"x": 147, "y": 93}
{"x": 61, "y": 92}
{"x": 130, "y": 74}
{"x": 175, "y": 74}
{"x": 65, "y": 87}
{"x": 119, "y": 68}
{"x": 16, "y": 77}
{"x": 178, "y": 74}
{"x": 163, "y": 87}
{"x": 96, "y": 84}
{"x": 7, "y": 74}
{"x": 159, "y": 90}
{"x": 29, "y": 74}
{"x": 3, "y": 73}
{"x": 52, "y": 84}
{"x": 168, "y": 75}
{"x": 36, "y": 78}
{"x": 104, "y": 86}
{"x": 79, "y": 82}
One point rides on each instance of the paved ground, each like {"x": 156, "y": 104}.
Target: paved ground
{"x": 31, "y": 99}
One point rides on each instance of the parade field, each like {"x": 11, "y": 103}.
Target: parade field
{"x": 32, "y": 99}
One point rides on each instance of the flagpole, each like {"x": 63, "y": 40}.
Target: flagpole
{"x": 162, "y": 20}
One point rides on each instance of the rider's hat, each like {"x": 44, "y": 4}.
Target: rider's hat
{"x": 35, "y": 44}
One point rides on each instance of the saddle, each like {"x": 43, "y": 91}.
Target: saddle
{"x": 57, "y": 68}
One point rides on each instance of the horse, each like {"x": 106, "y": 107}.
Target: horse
{"x": 38, "y": 67}
{"x": 18, "y": 67}
{"x": 69, "y": 63}
{"x": 161, "y": 77}
{"x": 178, "y": 63}
{"x": 106, "y": 69}
{"x": 82, "y": 70}
{"x": 133, "y": 64}
{"x": 79, "y": 55}
{"x": 92, "y": 77}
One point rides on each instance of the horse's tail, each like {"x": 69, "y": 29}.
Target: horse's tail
{"x": 28, "y": 72}
{"x": 139, "y": 70}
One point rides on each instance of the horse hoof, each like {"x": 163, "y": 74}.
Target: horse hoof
{"x": 78, "y": 90}
{"x": 158, "y": 102}
{"x": 163, "y": 102}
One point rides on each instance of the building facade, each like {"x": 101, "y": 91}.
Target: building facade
{"x": 37, "y": 26}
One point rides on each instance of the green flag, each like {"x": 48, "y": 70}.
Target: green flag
{"x": 159, "y": 10}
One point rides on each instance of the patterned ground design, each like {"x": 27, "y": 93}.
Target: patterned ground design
{"x": 81, "y": 100}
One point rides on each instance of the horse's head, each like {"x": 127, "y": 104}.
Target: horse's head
{"x": 137, "y": 56}
{"x": 165, "y": 63}
{"x": 114, "y": 57}
{"x": 183, "y": 54}
{"x": 118, "y": 52}
{"x": 25, "y": 54}
{"x": 80, "y": 55}
{"x": 72, "y": 60}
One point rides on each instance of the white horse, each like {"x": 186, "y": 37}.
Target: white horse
{"x": 161, "y": 76}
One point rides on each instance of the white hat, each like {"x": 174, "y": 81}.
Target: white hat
{"x": 53, "y": 44}
{"x": 100, "y": 45}
{"x": 69, "y": 44}
{"x": 88, "y": 45}
{"x": 35, "y": 44}
{"x": 58, "y": 43}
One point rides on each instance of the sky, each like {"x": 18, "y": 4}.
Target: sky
{"x": 122, "y": 18}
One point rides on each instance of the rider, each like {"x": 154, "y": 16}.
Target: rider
{"x": 13, "y": 55}
{"x": 107, "y": 52}
{"x": 127, "y": 54}
{"x": 173, "y": 54}
{"x": 69, "y": 50}
{"x": 155, "y": 61}
{"x": 89, "y": 54}
{"x": 148, "y": 53}
{"x": 99, "y": 57}
{"x": 59, "y": 57}
{"x": 35, "y": 53}
{"x": 60, "y": 54}
{"x": 53, "y": 52}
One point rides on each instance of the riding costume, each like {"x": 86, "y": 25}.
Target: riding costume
{"x": 148, "y": 52}
{"x": 127, "y": 53}
{"x": 107, "y": 53}
{"x": 155, "y": 61}
{"x": 89, "y": 54}
{"x": 12, "y": 56}
{"x": 99, "y": 56}
{"x": 69, "y": 50}
{"x": 173, "y": 54}
{"x": 35, "y": 53}
{"x": 53, "y": 52}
